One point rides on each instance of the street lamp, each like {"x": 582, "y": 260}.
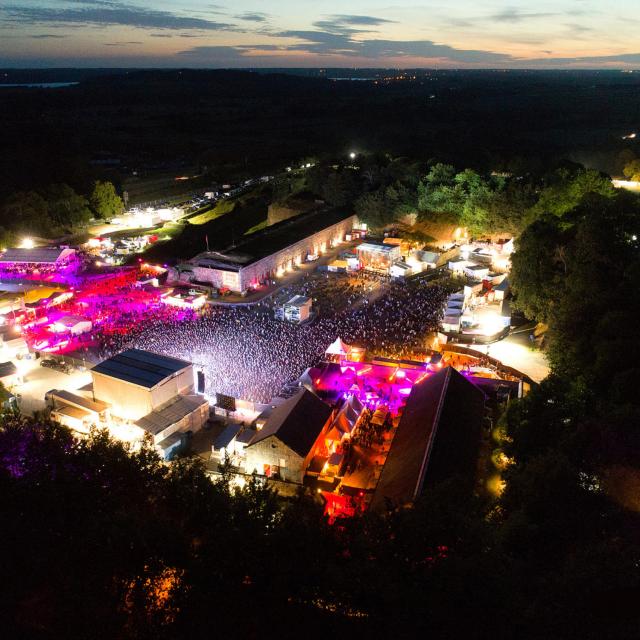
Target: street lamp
{"x": 352, "y": 155}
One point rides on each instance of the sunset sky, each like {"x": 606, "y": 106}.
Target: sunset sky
{"x": 320, "y": 33}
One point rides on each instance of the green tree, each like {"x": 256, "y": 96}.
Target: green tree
{"x": 567, "y": 190}
{"x": 441, "y": 175}
{"x": 537, "y": 267}
{"x": 339, "y": 188}
{"x": 66, "y": 207}
{"x": 105, "y": 201}
{"x": 373, "y": 210}
{"x": 632, "y": 170}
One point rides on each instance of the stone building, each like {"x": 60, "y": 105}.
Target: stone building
{"x": 284, "y": 446}
{"x": 269, "y": 253}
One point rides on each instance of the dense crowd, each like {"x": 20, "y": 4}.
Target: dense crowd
{"x": 246, "y": 353}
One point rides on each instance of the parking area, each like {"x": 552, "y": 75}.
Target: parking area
{"x": 38, "y": 380}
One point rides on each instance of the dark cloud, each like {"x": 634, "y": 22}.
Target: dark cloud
{"x": 45, "y": 36}
{"x": 345, "y": 24}
{"x": 105, "y": 12}
{"x": 120, "y": 44}
{"x": 623, "y": 58}
{"x": 321, "y": 41}
{"x": 217, "y": 56}
{"x": 251, "y": 16}
{"x": 368, "y": 49}
{"x": 378, "y": 50}
{"x": 369, "y": 21}
{"x": 430, "y": 50}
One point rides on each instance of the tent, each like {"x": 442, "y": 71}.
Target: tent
{"x": 338, "y": 348}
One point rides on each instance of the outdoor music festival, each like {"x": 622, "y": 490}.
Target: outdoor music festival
{"x": 242, "y": 351}
{"x": 368, "y": 347}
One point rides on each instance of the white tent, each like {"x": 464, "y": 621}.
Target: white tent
{"x": 338, "y": 348}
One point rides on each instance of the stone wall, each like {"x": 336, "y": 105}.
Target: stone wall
{"x": 277, "y": 263}
{"x": 296, "y": 253}
{"x": 271, "y": 451}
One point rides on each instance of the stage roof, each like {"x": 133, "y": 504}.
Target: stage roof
{"x": 43, "y": 255}
{"x": 143, "y": 368}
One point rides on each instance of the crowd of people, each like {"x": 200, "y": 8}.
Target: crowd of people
{"x": 244, "y": 352}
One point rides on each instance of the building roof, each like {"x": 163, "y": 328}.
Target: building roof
{"x": 297, "y": 422}
{"x": 430, "y": 256}
{"x": 44, "y": 255}
{"x": 478, "y": 267}
{"x": 144, "y": 368}
{"x": 246, "y": 436}
{"x": 272, "y": 239}
{"x": 7, "y": 369}
{"x": 382, "y": 248}
{"x": 226, "y": 436}
{"x": 171, "y": 440}
{"x": 96, "y": 406}
{"x": 161, "y": 419}
{"x": 298, "y": 301}
{"x": 435, "y": 439}
{"x": 71, "y": 321}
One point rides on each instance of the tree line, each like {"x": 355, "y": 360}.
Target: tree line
{"x": 56, "y": 210}
{"x": 483, "y": 203}
{"x": 383, "y": 190}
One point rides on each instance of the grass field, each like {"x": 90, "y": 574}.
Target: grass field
{"x": 222, "y": 207}
{"x": 259, "y": 227}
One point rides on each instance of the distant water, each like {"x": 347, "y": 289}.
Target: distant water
{"x": 41, "y": 85}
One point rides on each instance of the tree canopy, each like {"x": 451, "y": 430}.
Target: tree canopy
{"x": 105, "y": 201}
{"x": 632, "y": 170}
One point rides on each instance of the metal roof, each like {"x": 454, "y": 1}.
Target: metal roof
{"x": 298, "y": 301}
{"x": 161, "y": 419}
{"x": 46, "y": 255}
{"x": 226, "y": 436}
{"x": 382, "y": 248}
{"x": 144, "y": 368}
